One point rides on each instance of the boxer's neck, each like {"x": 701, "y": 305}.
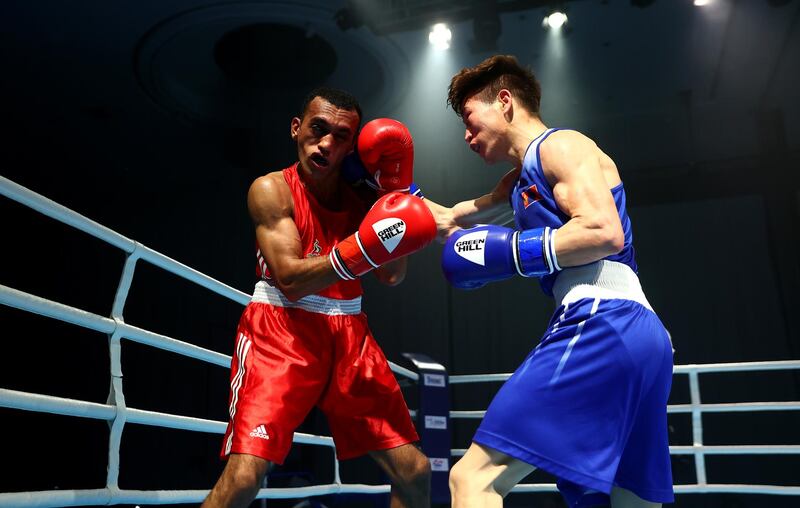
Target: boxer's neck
{"x": 325, "y": 190}
{"x": 520, "y": 133}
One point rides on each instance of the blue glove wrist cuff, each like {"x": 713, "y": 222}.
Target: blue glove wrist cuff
{"x": 534, "y": 252}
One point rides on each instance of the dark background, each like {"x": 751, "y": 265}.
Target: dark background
{"x": 152, "y": 118}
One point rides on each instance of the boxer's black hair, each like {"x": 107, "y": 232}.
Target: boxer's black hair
{"x": 486, "y": 79}
{"x": 338, "y": 98}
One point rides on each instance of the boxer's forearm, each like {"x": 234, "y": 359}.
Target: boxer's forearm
{"x": 487, "y": 209}
{"x": 584, "y": 240}
{"x": 445, "y": 223}
{"x": 297, "y": 278}
{"x": 492, "y": 208}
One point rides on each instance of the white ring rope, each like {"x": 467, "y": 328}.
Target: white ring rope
{"x": 118, "y": 414}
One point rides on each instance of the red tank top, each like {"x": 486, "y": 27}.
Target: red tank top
{"x": 320, "y": 229}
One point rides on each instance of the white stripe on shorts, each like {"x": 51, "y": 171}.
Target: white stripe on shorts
{"x": 241, "y": 352}
{"x": 552, "y": 330}
{"x": 572, "y": 342}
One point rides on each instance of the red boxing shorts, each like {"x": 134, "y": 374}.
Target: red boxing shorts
{"x": 291, "y": 356}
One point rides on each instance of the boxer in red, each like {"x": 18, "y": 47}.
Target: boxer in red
{"x": 303, "y": 341}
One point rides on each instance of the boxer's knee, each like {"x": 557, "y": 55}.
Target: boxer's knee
{"x": 485, "y": 476}
{"x": 416, "y": 477}
{"x": 622, "y": 498}
{"x": 240, "y": 481}
{"x": 469, "y": 482}
{"x": 247, "y": 475}
{"x": 410, "y": 472}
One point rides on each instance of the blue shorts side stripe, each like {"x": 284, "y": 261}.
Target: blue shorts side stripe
{"x": 572, "y": 342}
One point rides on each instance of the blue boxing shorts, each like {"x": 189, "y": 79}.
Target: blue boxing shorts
{"x": 589, "y": 403}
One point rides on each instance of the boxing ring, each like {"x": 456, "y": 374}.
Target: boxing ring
{"x": 118, "y": 414}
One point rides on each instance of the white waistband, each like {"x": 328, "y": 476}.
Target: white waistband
{"x": 602, "y": 279}
{"x": 264, "y": 293}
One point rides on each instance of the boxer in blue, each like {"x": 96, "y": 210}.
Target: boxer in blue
{"x": 588, "y": 404}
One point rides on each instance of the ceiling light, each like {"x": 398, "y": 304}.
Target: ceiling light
{"x": 555, "y": 20}
{"x": 440, "y": 36}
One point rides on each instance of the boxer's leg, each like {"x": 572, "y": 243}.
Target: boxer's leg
{"x": 367, "y": 413}
{"x": 483, "y": 477}
{"x": 278, "y": 372}
{"x": 239, "y": 482}
{"x": 621, "y": 498}
{"x": 410, "y": 473}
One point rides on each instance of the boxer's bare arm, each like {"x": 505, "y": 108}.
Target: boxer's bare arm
{"x": 581, "y": 177}
{"x": 491, "y": 208}
{"x": 271, "y": 208}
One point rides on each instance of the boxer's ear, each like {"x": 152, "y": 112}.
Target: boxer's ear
{"x": 294, "y": 127}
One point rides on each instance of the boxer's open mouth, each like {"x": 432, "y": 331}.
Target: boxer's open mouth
{"x": 319, "y": 160}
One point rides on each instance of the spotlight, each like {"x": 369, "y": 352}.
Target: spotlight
{"x": 554, "y": 20}
{"x": 440, "y": 36}
{"x": 700, "y": 3}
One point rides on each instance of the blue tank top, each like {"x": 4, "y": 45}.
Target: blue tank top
{"x": 535, "y": 207}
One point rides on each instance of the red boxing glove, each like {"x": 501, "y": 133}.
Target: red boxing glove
{"x": 397, "y": 225}
{"x": 387, "y": 151}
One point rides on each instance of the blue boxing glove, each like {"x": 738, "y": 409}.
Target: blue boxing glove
{"x": 472, "y": 257}
{"x": 414, "y": 190}
{"x": 354, "y": 172}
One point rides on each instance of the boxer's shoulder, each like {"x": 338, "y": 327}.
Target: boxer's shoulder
{"x": 270, "y": 194}
{"x": 565, "y": 150}
{"x": 565, "y": 143}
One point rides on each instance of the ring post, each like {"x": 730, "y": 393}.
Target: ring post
{"x": 433, "y": 421}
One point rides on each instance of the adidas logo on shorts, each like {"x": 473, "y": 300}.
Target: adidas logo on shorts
{"x": 260, "y": 432}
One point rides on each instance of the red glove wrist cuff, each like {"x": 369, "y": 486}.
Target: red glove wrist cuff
{"x": 349, "y": 260}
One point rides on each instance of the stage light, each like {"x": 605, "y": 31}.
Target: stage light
{"x": 555, "y": 20}
{"x": 440, "y": 36}
{"x": 700, "y": 3}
